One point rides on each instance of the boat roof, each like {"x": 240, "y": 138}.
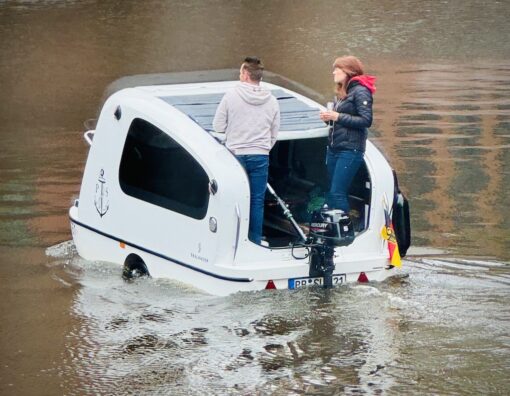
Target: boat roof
{"x": 200, "y": 100}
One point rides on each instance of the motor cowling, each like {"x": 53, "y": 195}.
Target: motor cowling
{"x": 331, "y": 226}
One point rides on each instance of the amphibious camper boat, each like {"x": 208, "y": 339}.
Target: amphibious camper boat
{"x": 162, "y": 196}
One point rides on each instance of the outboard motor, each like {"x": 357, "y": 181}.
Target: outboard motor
{"x": 329, "y": 228}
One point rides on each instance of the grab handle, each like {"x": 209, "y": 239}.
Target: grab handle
{"x": 89, "y": 136}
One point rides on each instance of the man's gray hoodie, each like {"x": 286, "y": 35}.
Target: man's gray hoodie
{"x": 250, "y": 117}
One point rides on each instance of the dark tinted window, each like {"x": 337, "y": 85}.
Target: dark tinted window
{"x": 156, "y": 169}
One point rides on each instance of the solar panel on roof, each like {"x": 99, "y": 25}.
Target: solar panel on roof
{"x": 295, "y": 114}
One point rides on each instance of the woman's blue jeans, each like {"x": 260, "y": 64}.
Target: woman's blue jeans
{"x": 342, "y": 167}
{"x": 256, "y": 167}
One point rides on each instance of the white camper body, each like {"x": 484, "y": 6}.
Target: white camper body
{"x": 159, "y": 188}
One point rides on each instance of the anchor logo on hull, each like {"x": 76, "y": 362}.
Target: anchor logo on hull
{"x": 101, "y": 197}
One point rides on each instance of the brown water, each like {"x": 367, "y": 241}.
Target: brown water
{"x": 442, "y": 117}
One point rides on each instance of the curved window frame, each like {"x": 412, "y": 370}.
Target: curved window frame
{"x": 158, "y": 170}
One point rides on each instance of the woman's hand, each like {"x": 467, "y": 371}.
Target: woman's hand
{"x": 329, "y": 115}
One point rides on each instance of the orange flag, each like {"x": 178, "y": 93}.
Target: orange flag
{"x": 388, "y": 233}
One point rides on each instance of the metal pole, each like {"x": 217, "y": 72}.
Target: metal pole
{"x": 287, "y": 212}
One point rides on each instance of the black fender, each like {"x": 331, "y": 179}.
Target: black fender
{"x": 134, "y": 267}
{"x": 401, "y": 219}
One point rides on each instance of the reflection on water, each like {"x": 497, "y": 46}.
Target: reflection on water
{"x": 441, "y": 117}
{"x": 448, "y": 137}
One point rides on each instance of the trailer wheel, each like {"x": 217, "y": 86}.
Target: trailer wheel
{"x": 134, "y": 267}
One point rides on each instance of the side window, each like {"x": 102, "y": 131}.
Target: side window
{"x": 156, "y": 169}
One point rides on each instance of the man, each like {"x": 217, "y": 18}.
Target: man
{"x": 250, "y": 117}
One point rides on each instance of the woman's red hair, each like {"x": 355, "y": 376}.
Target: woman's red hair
{"x": 351, "y": 66}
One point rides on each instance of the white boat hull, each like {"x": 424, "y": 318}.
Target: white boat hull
{"x": 219, "y": 280}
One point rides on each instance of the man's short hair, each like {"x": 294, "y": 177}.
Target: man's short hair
{"x": 254, "y": 67}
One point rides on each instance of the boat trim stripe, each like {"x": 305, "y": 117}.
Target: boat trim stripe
{"x": 226, "y": 278}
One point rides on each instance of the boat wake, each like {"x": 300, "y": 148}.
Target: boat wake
{"x": 466, "y": 267}
{"x": 151, "y": 332}
{"x": 62, "y": 250}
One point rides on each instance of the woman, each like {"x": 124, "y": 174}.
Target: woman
{"x": 350, "y": 119}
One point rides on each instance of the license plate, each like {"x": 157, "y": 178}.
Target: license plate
{"x": 298, "y": 283}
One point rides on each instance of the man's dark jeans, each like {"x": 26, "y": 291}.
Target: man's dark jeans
{"x": 256, "y": 167}
{"x": 342, "y": 167}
